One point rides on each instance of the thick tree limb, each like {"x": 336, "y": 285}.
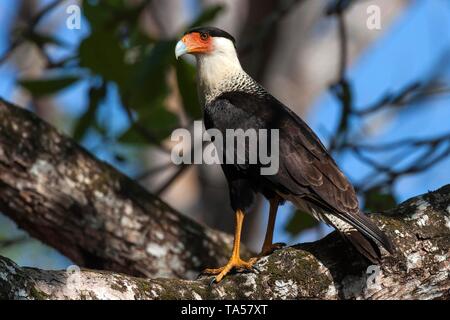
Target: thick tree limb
{"x": 102, "y": 220}
{"x": 326, "y": 269}
{"x": 90, "y": 212}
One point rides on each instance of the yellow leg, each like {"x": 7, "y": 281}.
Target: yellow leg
{"x": 268, "y": 247}
{"x": 235, "y": 261}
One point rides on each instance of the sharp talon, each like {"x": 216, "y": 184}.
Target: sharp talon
{"x": 235, "y": 262}
{"x": 213, "y": 280}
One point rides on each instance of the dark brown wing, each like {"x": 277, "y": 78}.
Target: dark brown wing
{"x": 306, "y": 170}
{"x": 306, "y": 161}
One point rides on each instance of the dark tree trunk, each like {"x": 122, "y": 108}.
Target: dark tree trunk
{"x": 93, "y": 214}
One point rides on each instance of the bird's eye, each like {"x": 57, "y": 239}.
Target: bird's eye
{"x": 204, "y": 36}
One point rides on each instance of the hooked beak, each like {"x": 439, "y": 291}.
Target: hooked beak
{"x": 180, "y": 49}
{"x": 192, "y": 43}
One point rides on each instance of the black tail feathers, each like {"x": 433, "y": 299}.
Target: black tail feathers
{"x": 366, "y": 237}
{"x": 364, "y": 245}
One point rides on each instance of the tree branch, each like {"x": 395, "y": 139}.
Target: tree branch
{"x": 326, "y": 269}
{"x": 102, "y": 220}
{"x": 90, "y": 212}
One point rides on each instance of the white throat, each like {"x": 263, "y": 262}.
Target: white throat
{"x": 216, "y": 70}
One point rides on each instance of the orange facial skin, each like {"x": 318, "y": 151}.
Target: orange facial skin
{"x": 196, "y": 43}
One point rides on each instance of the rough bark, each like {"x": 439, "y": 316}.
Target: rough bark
{"x": 93, "y": 214}
{"x": 326, "y": 269}
{"x": 101, "y": 219}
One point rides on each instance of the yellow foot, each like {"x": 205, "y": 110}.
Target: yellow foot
{"x": 234, "y": 264}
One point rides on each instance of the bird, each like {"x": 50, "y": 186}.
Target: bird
{"x": 307, "y": 175}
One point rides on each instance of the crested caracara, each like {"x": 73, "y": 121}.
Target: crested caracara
{"x": 307, "y": 175}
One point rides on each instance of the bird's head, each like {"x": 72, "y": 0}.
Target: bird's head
{"x": 218, "y": 64}
{"x": 206, "y": 41}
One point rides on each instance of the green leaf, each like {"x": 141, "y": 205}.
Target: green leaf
{"x": 99, "y": 16}
{"x": 116, "y": 4}
{"x": 133, "y": 136}
{"x": 188, "y": 89}
{"x": 148, "y": 86}
{"x": 377, "y": 200}
{"x": 102, "y": 53}
{"x": 109, "y": 15}
{"x": 157, "y": 121}
{"x": 88, "y": 119}
{"x": 299, "y": 222}
{"x": 43, "y": 87}
{"x": 146, "y": 93}
{"x": 140, "y": 40}
{"x": 208, "y": 15}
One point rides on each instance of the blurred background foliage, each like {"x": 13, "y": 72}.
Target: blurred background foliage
{"x": 379, "y": 99}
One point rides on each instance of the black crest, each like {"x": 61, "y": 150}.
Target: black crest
{"x": 213, "y": 32}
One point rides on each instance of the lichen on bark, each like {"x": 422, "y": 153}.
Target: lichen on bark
{"x": 134, "y": 246}
{"x": 325, "y": 269}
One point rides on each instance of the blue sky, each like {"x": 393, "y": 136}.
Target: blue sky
{"x": 411, "y": 50}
